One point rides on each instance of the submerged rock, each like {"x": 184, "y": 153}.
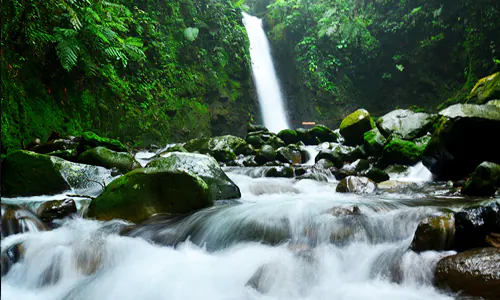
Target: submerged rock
{"x": 141, "y": 193}
{"x": 484, "y": 181}
{"x": 357, "y": 185}
{"x": 11, "y": 255}
{"x": 464, "y": 139}
{"x": 354, "y": 126}
{"x": 17, "y": 219}
{"x": 435, "y": 233}
{"x": 475, "y": 272}
{"x": 405, "y": 124}
{"x": 101, "y": 156}
{"x": 56, "y": 209}
{"x": 474, "y": 224}
{"x": 221, "y": 187}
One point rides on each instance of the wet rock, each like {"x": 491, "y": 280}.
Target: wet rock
{"x": 249, "y": 161}
{"x": 11, "y": 255}
{"x": 56, "y": 145}
{"x": 220, "y": 147}
{"x": 92, "y": 140}
{"x": 357, "y": 185}
{"x": 348, "y": 154}
{"x": 340, "y": 174}
{"x": 313, "y": 176}
{"x": 101, "y": 156}
{"x": 332, "y": 156}
{"x": 303, "y": 136}
{"x": 474, "y": 272}
{"x": 26, "y": 173}
{"x": 473, "y": 224}
{"x": 267, "y": 275}
{"x": 275, "y": 142}
{"x": 322, "y": 134}
{"x": 300, "y": 171}
{"x": 255, "y": 140}
{"x": 56, "y": 209}
{"x": 374, "y": 142}
{"x": 323, "y": 164}
{"x": 376, "y": 175}
{"x": 265, "y": 154}
{"x": 487, "y": 88}
{"x": 141, "y": 193}
{"x": 398, "y": 151}
{"x": 484, "y": 181}
{"x": 405, "y": 124}
{"x": 361, "y": 165}
{"x": 344, "y": 211}
{"x": 449, "y": 155}
{"x": 354, "y": 126}
{"x": 244, "y": 148}
{"x": 435, "y": 233}
{"x": 285, "y": 172}
{"x": 288, "y": 155}
{"x": 221, "y": 187}
{"x": 288, "y": 136}
{"x": 17, "y": 219}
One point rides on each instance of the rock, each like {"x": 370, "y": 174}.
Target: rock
{"x": 266, "y": 276}
{"x": 361, "y": 165}
{"x": 313, "y": 176}
{"x": 484, "y": 181}
{"x": 494, "y": 103}
{"x": 354, "y": 126}
{"x": 303, "y": 136}
{"x": 435, "y": 233}
{"x": 464, "y": 139}
{"x": 357, "y": 185}
{"x": 255, "y": 127}
{"x": 11, "y": 255}
{"x": 174, "y": 148}
{"x": 56, "y": 209}
{"x": 300, "y": 171}
{"x": 249, "y": 161}
{"x": 376, "y": 175}
{"x": 255, "y": 140}
{"x": 275, "y": 142}
{"x": 56, "y": 145}
{"x": 405, "y": 124}
{"x": 348, "y": 154}
{"x": 26, "y": 173}
{"x": 220, "y": 147}
{"x": 141, "y": 193}
{"x": 343, "y": 173}
{"x": 473, "y": 224}
{"x": 332, "y": 156}
{"x": 17, "y": 219}
{"x": 398, "y": 151}
{"x": 322, "y": 134}
{"x": 374, "y": 142}
{"x": 206, "y": 167}
{"x": 101, "y": 156}
{"x": 244, "y": 148}
{"x": 474, "y": 272}
{"x": 288, "y": 136}
{"x": 285, "y": 172}
{"x": 323, "y": 164}
{"x": 288, "y": 155}
{"x": 70, "y": 155}
{"x": 92, "y": 140}
{"x": 487, "y": 88}
{"x": 344, "y": 211}
{"x": 265, "y": 154}
{"x": 33, "y": 144}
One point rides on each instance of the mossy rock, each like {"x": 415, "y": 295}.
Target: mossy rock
{"x": 322, "y": 134}
{"x": 244, "y": 148}
{"x": 487, "y": 88}
{"x": 70, "y": 155}
{"x": 332, "y": 156}
{"x": 405, "y": 123}
{"x": 255, "y": 140}
{"x": 219, "y": 147}
{"x": 26, "y": 173}
{"x": 101, "y": 156}
{"x": 255, "y": 128}
{"x": 265, "y": 154}
{"x": 141, "y": 193}
{"x": 288, "y": 136}
{"x": 92, "y": 140}
{"x": 374, "y": 142}
{"x": 203, "y": 166}
{"x": 354, "y": 126}
{"x": 175, "y": 148}
{"x": 484, "y": 181}
{"x": 275, "y": 142}
{"x": 289, "y": 155}
{"x": 398, "y": 151}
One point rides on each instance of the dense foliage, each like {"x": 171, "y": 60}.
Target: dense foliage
{"x": 142, "y": 71}
{"x": 337, "y": 55}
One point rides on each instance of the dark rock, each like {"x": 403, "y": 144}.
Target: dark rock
{"x": 10, "y": 256}
{"x": 484, "y": 181}
{"x": 255, "y": 127}
{"x": 288, "y": 136}
{"x": 463, "y": 140}
{"x": 300, "y": 171}
{"x": 249, "y": 161}
{"x": 361, "y": 165}
{"x": 56, "y": 209}
{"x": 332, "y": 156}
{"x": 275, "y": 142}
{"x": 288, "y": 155}
{"x": 474, "y": 272}
{"x": 313, "y": 176}
{"x": 285, "y": 172}
{"x": 33, "y": 144}
{"x": 357, "y": 185}
{"x": 221, "y": 187}
{"x": 101, "y": 156}
{"x": 340, "y": 174}
{"x": 374, "y": 142}
{"x": 17, "y": 219}
{"x": 322, "y": 134}
{"x": 354, "y": 126}
{"x": 405, "y": 124}
{"x": 141, "y": 193}
{"x": 265, "y": 154}
{"x": 376, "y": 175}
{"x": 473, "y": 224}
{"x": 435, "y": 233}
{"x": 70, "y": 155}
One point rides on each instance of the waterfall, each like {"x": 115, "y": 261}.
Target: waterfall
{"x": 268, "y": 89}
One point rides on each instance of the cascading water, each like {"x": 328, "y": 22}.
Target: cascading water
{"x": 266, "y": 81}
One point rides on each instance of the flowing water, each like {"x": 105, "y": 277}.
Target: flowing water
{"x": 284, "y": 239}
{"x": 267, "y": 84}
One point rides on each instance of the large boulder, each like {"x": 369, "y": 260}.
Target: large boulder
{"x": 92, "y": 140}
{"x": 101, "y": 156}
{"x": 141, "y": 193}
{"x": 405, "y": 123}
{"x": 374, "y": 142}
{"x": 357, "y": 185}
{"x": 475, "y": 272}
{"x": 487, "y": 88}
{"x": 219, "y": 147}
{"x": 435, "y": 233}
{"x": 484, "y": 181}
{"x": 466, "y": 137}
{"x": 398, "y": 151}
{"x": 354, "y": 126}
{"x": 26, "y": 173}
{"x": 204, "y": 166}
{"x": 474, "y": 224}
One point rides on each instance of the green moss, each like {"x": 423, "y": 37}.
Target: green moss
{"x": 398, "y": 151}
{"x": 101, "y": 156}
{"x": 93, "y": 140}
{"x": 355, "y": 125}
{"x": 289, "y": 136}
{"x": 374, "y": 142}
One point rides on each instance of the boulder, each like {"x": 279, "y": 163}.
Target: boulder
{"x": 26, "y": 173}
{"x": 360, "y": 165}
{"x": 289, "y": 155}
{"x": 475, "y": 272}
{"x": 56, "y": 209}
{"x": 374, "y": 142}
{"x": 206, "y": 167}
{"x": 220, "y": 147}
{"x": 275, "y": 142}
{"x": 465, "y": 137}
{"x": 288, "y": 136}
{"x": 487, "y": 88}
{"x": 322, "y": 134}
{"x": 18, "y": 219}
{"x": 398, "y": 151}
{"x": 141, "y": 193}
{"x": 92, "y": 140}
{"x": 357, "y": 185}
{"x": 405, "y": 124}
{"x": 303, "y": 136}
{"x": 244, "y": 148}
{"x": 435, "y": 233}
{"x": 284, "y": 172}
{"x": 484, "y": 181}
{"x": 265, "y": 154}
{"x": 376, "y": 175}
{"x": 474, "y": 224}
{"x": 354, "y": 126}
{"x": 255, "y": 140}
{"x": 101, "y": 156}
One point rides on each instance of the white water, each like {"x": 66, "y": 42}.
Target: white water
{"x": 348, "y": 258}
{"x": 416, "y": 173}
{"x": 266, "y": 81}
